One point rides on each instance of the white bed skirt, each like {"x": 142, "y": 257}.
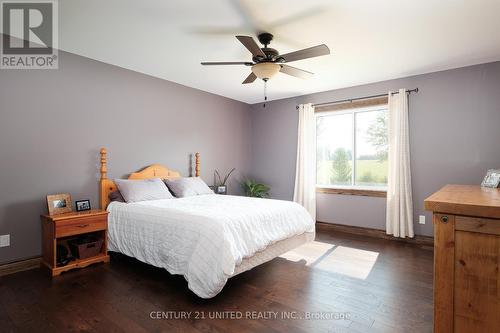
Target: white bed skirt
{"x": 273, "y": 251}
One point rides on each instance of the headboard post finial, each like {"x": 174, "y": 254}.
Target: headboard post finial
{"x": 104, "y": 169}
{"x": 197, "y": 164}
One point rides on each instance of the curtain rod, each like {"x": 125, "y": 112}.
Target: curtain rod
{"x": 350, "y": 100}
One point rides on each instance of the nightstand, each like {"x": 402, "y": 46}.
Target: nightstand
{"x": 61, "y": 228}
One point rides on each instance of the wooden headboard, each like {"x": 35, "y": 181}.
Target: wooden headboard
{"x": 153, "y": 171}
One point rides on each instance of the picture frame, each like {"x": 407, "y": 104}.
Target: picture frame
{"x": 59, "y": 203}
{"x": 82, "y": 205}
{"x": 492, "y": 179}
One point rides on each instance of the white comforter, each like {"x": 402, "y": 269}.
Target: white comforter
{"x": 203, "y": 237}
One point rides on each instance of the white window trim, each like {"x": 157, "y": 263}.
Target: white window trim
{"x": 353, "y": 111}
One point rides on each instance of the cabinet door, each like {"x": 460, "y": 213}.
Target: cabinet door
{"x": 477, "y": 280}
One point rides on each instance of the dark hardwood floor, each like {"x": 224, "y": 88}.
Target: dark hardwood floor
{"x": 373, "y": 285}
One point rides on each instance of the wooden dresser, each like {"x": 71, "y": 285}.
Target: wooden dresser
{"x": 466, "y": 258}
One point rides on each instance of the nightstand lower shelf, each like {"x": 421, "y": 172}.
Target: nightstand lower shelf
{"x": 78, "y": 263}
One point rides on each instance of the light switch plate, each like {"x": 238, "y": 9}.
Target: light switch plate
{"x": 421, "y": 219}
{"x": 4, "y": 240}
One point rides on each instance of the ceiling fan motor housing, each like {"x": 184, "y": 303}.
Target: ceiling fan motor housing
{"x": 272, "y": 55}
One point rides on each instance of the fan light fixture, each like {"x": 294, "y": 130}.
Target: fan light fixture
{"x": 265, "y": 70}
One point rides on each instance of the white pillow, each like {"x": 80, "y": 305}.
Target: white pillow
{"x": 186, "y": 187}
{"x": 143, "y": 190}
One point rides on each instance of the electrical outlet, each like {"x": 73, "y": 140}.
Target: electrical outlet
{"x": 421, "y": 219}
{"x": 4, "y": 240}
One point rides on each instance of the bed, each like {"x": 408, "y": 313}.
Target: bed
{"x": 206, "y": 238}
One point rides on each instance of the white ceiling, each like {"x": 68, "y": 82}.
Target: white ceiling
{"x": 370, "y": 40}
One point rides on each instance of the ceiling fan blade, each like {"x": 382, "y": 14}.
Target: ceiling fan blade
{"x": 300, "y": 73}
{"x": 250, "y": 23}
{"x": 297, "y": 17}
{"x": 215, "y": 63}
{"x": 250, "y": 20}
{"x": 250, "y": 78}
{"x": 251, "y": 45}
{"x": 310, "y": 52}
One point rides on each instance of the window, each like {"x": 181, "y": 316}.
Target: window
{"x": 351, "y": 147}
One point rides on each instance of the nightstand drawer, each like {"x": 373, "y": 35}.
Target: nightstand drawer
{"x": 80, "y": 226}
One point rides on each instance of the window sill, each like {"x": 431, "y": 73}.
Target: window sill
{"x": 346, "y": 191}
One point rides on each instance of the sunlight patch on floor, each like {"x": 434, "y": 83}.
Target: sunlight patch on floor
{"x": 343, "y": 260}
{"x": 310, "y": 252}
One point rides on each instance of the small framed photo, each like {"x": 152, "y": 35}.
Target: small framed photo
{"x": 82, "y": 205}
{"x": 492, "y": 178}
{"x": 59, "y": 203}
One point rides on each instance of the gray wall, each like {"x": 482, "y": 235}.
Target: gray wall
{"x": 53, "y": 122}
{"x": 455, "y": 136}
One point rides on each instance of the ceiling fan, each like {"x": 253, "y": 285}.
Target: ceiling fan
{"x": 267, "y": 62}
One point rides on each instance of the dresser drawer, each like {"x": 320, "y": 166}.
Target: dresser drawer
{"x": 478, "y": 224}
{"x": 80, "y": 226}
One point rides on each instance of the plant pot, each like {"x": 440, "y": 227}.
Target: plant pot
{"x": 220, "y": 189}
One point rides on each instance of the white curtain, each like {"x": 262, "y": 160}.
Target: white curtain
{"x": 305, "y": 174}
{"x": 399, "y": 218}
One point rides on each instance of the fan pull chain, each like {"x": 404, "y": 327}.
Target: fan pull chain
{"x": 265, "y": 93}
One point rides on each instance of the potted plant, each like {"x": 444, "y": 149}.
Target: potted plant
{"x": 255, "y": 189}
{"x": 220, "y": 186}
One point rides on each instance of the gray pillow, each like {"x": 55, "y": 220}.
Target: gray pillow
{"x": 143, "y": 190}
{"x": 186, "y": 187}
{"x": 116, "y": 196}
